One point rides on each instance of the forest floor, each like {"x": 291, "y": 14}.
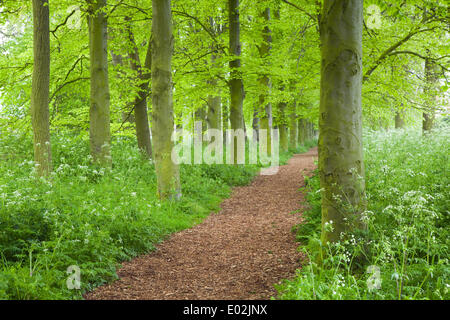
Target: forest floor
{"x": 238, "y": 253}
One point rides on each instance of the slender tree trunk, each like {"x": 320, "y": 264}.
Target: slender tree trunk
{"x": 399, "y": 121}
{"x": 200, "y": 115}
{"x": 40, "y": 88}
{"x": 293, "y": 127}
{"x": 255, "y": 123}
{"x": 225, "y": 121}
{"x": 265, "y": 83}
{"x": 140, "y": 103}
{"x": 214, "y": 105}
{"x": 214, "y": 109}
{"x": 301, "y": 132}
{"x": 117, "y": 61}
{"x": 282, "y": 126}
{"x": 341, "y": 166}
{"x": 236, "y": 83}
{"x": 214, "y": 101}
{"x": 167, "y": 172}
{"x": 100, "y": 135}
{"x": 431, "y": 74}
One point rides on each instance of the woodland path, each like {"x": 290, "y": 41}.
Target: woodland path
{"x": 239, "y": 253}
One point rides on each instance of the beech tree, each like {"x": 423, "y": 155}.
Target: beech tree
{"x": 167, "y": 172}
{"x": 140, "y": 102}
{"x": 236, "y": 84}
{"x": 265, "y": 82}
{"x": 431, "y": 79}
{"x": 99, "y": 113}
{"x": 341, "y": 166}
{"x": 40, "y": 87}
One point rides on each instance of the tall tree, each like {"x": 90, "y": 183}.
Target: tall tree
{"x": 99, "y": 113}
{"x": 214, "y": 100}
{"x": 236, "y": 83}
{"x": 341, "y": 164}
{"x": 431, "y": 79}
{"x": 167, "y": 172}
{"x": 399, "y": 121}
{"x": 293, "y": 126}
{"x": 40, "y": 87}
{"x": 140, "y": 102}
{"x": 264, "y": 81}
{"x": 282, "y": 126}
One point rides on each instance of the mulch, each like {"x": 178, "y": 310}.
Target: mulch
{"x": 238, "y": 253}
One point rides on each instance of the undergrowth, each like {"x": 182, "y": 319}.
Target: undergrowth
{"x": 91, "y": 217}
{"x": 406, "y": 249}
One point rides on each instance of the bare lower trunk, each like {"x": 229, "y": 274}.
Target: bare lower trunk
{"x": 100, "y": 135}
{"x": 265, "y": 84}
{"x": 140, "y": 103}
{"x": 236, "y": 83}
{"x": 40, "y": 88}
{"x": 399, "y": 121}
{"x": 341, "y": 166}
{"x": 293, "y": 127}
{"x": 167, "y": 172}
{"x": 431, "y": 73}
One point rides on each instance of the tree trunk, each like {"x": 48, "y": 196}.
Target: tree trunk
{"x": 255, "y": 123}
{"x": 117, "y": 61}
{"x": 214, "y": 101}
{"x": 301, "y": 132}
{"x": 284, "y": 143}
{"x": 214, "y": 109}
{"x": 265, "y": 83}
{"x": 431, "y": 74}
{"x": 236, "y": 83}
{"x": 140, "y": 103}
{"x": 293, "y": 127}
{"x": 200, "y": 115}
{"x": 99, "y": 113}
{"x": 225, "y": 121}
{"x": 341, "y": 166}
{"x": 40, "y": 88}
{"x": 167, "y": 172}
{"x": 399, "y": 121}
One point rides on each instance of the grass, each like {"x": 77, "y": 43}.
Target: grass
{"x": 406, "y": 249}
{"x": 91, "y": 217}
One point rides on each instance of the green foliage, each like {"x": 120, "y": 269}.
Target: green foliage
{"x": 407, "y": 218}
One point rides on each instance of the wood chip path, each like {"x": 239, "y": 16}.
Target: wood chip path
{"x": 239, "y": 253}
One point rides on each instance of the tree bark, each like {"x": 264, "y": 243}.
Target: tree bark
{"x": 99, "y": 113}
{"x": 301, "y": 131}
{"x": 214, "y": 101}
{"x": 341, "y": 166}
{"x": 399, "y": 121}
{"x": 265, "y": 83}
{"x": 140, "y": 102}
{"x": 167, "y": 172}
{"x": 236, "y": 83}
{"x": 293, "y": 127}
{"x": 282, "y": 126}
{"x": 40, "y": 88}
{"x": 431, "y": 74}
